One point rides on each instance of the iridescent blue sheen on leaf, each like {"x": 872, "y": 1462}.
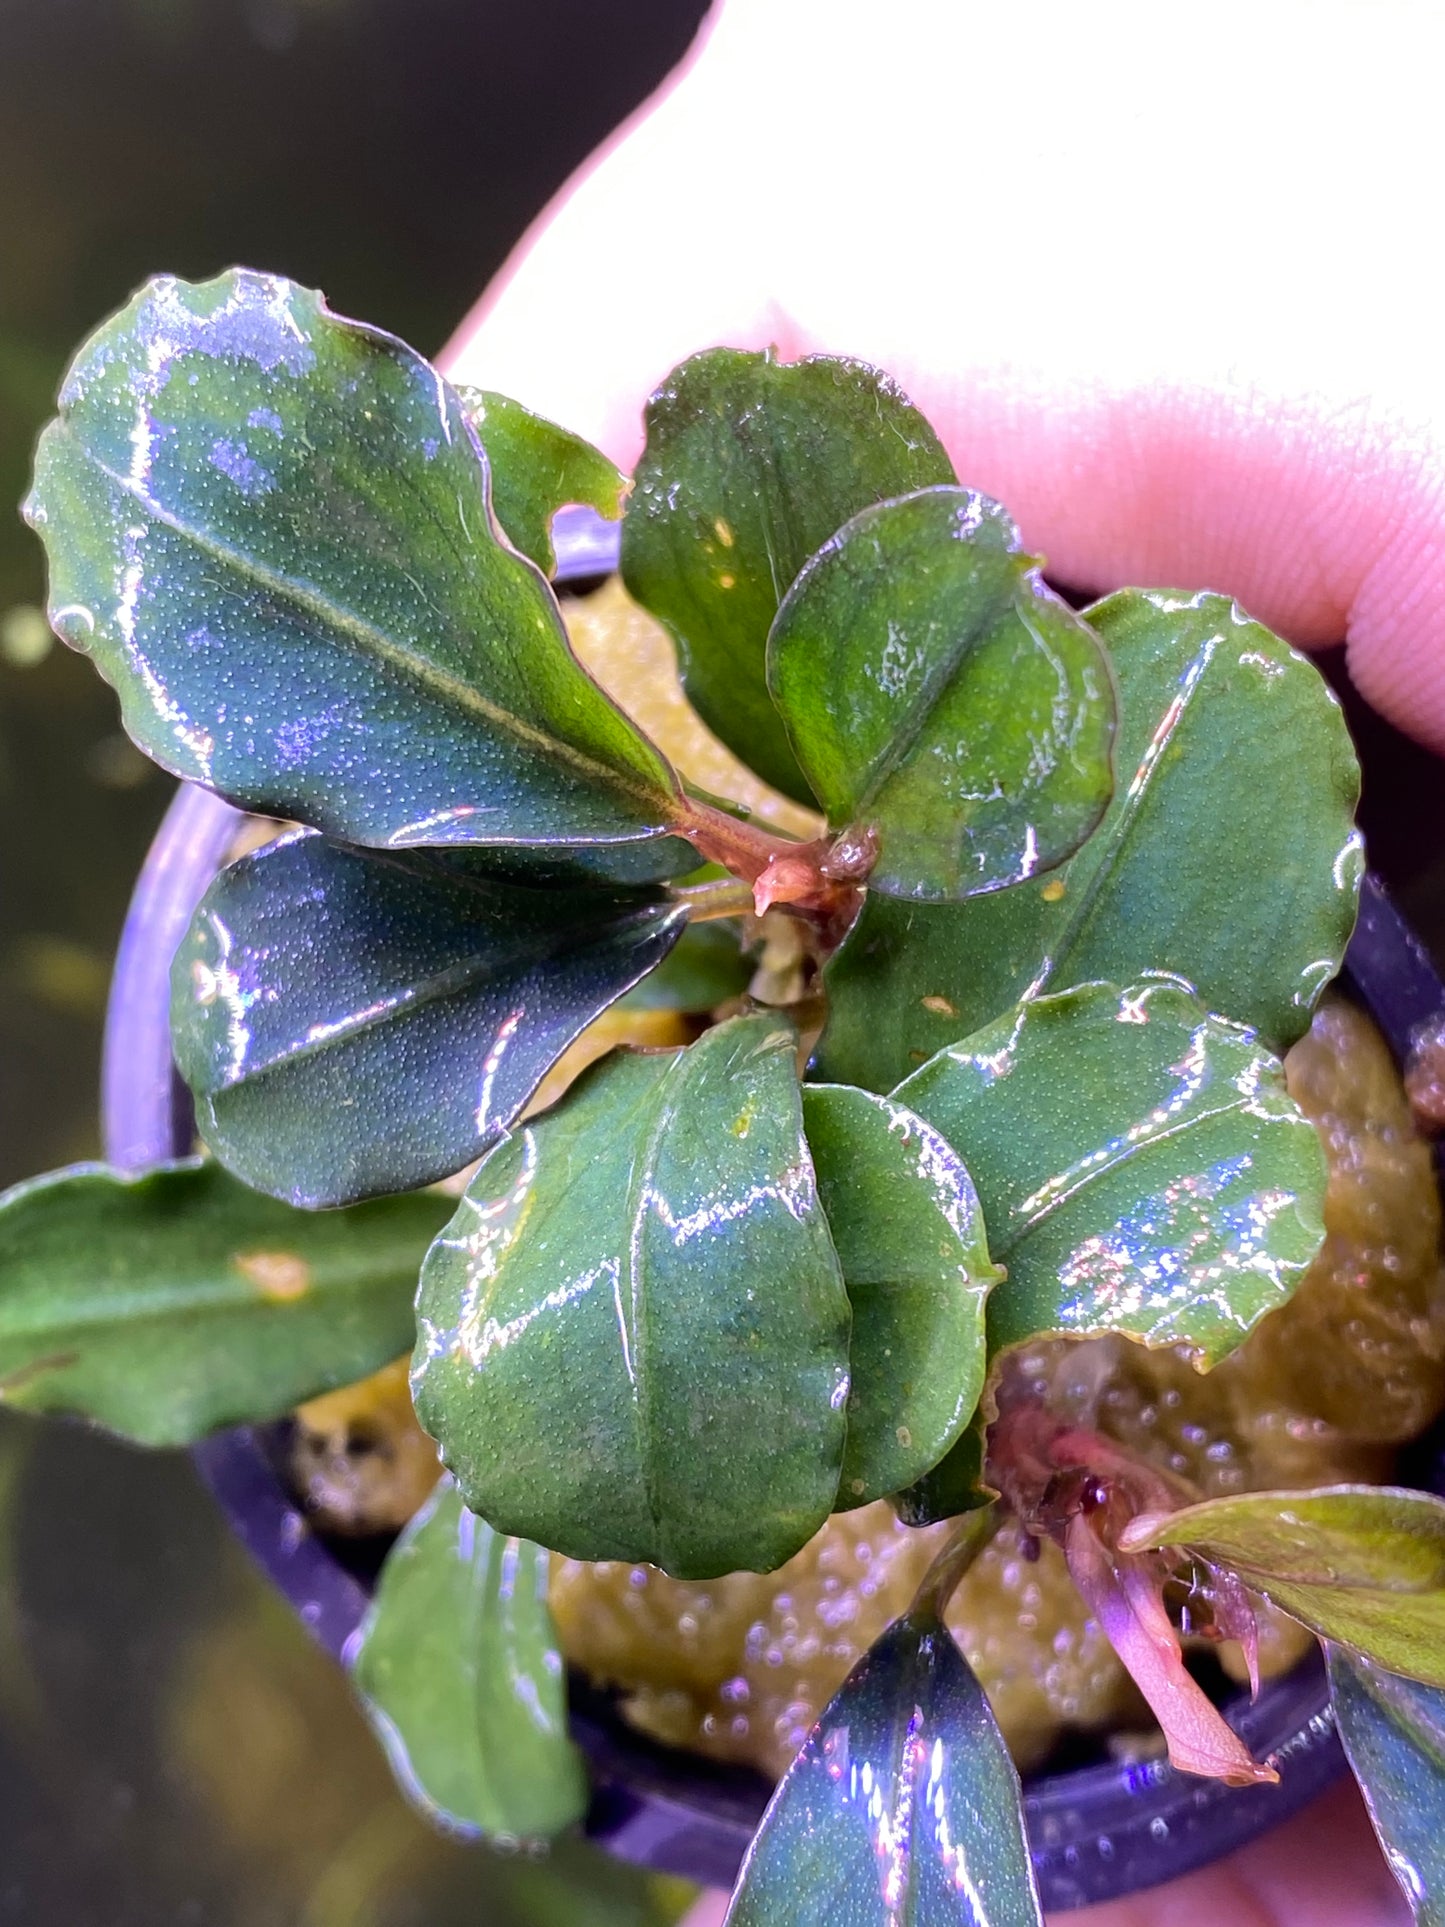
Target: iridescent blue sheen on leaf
{"x": 1141, "y": 1166}
{"x": 269, "y": 527}
{"x": 353, "y": 1021}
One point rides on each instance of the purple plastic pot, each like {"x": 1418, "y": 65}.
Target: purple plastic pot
{"x": 1096, "y": 1832}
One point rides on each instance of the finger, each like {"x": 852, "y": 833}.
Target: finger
{"x": 1320, "y": 1869}
{"x": 707, "y": 1912}
{"x": 1182, "y": 340}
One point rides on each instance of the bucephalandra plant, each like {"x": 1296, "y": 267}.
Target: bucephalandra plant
{"x": 1077, "y": 880}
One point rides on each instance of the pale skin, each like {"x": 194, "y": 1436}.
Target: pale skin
{"x": 1168, "y": 282}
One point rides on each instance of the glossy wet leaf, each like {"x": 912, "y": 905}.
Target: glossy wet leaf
{"x": 268, "y": 525}
{"x": 750, "y": 465}
{"x": 354, "y": 1021}
{"x": 1364, "y": 1565}
{"x": 910, "y": 1238}
{"x": 552, "y": 866}
{"x": 168, "y": 1304}
{"x": 458, "y": 1668}
{"x": 633, "y": 1336}
{"x": 1393, "y": 1731}
{"x": 952, "y": 1486}
{"x": 704, "y": 968}
{"x": 935, "y": 689}
{"x": 537, "y": 468}
{"x": 1140, "y": 1164}
{"x": 1236, "y": 787}
{"x": 903, "y": 1808}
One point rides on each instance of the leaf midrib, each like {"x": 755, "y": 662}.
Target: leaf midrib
{"x": 137, "y": 1309}
{"x": 902, "y": 742}
{"x": 442, "y": 685}
{"x": 481, "y": 1593}
{"x": 639, "y": 1335}
{"x": 1020, "y": 1228}
{"x": 450, "y": 982}
{"x": 1131, "y": 809}
{"x": 906, "y": 1792}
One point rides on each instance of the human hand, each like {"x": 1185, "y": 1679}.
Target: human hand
{"x": 1164, "y": 280}
{"x": 1321, "y": 1869}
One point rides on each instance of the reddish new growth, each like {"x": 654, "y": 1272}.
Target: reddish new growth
{"x": 1078, "y": 1488}
{"x": 822, "y": 881}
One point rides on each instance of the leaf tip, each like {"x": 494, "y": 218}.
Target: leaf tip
{"x": 1142, "y": 1533}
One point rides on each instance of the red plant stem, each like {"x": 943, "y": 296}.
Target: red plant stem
{"x": 1124, "y": 1595}
{"x": 821, "y": 880}
{"x": 746, "y": 849}
{"x": 1084, "y": 1491}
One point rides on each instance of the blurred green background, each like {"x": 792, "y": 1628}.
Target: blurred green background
{"x": 172, "y": 1749}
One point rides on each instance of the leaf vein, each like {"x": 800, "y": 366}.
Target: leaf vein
{"x": 441, "y": 684}
{"x": 1131, "y": 808}
{"x": 1020, "y": 1228}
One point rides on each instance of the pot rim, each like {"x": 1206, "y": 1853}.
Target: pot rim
{"x": 1095, "y": 1832}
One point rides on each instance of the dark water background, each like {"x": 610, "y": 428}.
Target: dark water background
{"x": 172, "y": 1750}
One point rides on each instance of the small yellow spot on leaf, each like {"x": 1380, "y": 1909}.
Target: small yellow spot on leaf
{"x": 726, "y": 581}
{"x": 940, "y": 1006}
{"x": 1053, "y": 890}
{"x": 743, "y": 1122}
{"x": 905, "y": 1437}
{"x": 724, "y": 535}
{"x": 278, "y": 1275}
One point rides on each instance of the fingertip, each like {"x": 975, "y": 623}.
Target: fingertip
{"x": 1396, "y": 628}
{"x": 709, "y": 1911}
{"x": 1327, "y": 525}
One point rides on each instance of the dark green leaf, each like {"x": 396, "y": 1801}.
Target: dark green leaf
{"x": 1221, "y": 858}
{"x": 557, "y": 866}
{"x": 705, "y": 968}
{"x": 1141, "y": 1167}
{"x": 459, "y": 1670}
{"x": 935, "y": 689}
{"x": 909, "y": 1236}
{"x": 354, "y": 1021}
{"x": 537, "y": 468}
{"x": 1394, "y": 1734}
{"x": 1361, "y": 1564}
{"x": 269, "y": 527}
{"x": 633, "y": 1336}
{"x": 954, "y": 1485}
{"x": 903, "y": 1808}
{"x": 171, "y": 1303}
{"x": 750, "y": 466}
